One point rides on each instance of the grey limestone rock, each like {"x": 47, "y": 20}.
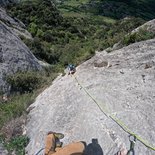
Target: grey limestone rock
{"x": 14, "y": 25}
{"x": 14, "y": 54}
{"x": 3, "y": 151}
{"x": 150, "y": 26}
{"x": 126, "y": 89}
{"x": 6, "y": 2}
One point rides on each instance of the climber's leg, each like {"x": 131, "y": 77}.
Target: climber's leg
{"x": 50, "y": 144}
{"x": 73, "y": 148}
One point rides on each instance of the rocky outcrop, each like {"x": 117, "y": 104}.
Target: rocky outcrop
{"x": 6, "y": 2}
{"x": 149, "y": 26}
{"x": 2, "y": 150}
{"x": 14, "y": 25}
{"x": 14, "y": 54}
{"x": 124, "y": 85}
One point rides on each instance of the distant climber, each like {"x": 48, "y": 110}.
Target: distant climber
{"x": 71, "y": 69}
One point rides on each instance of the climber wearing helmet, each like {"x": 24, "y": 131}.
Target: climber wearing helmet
{"x": 71, "y": 69}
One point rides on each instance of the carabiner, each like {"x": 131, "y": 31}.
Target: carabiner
{"x": 132, "y": 140}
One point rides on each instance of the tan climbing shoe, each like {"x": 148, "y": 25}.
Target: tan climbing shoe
{"x": 59, "y": 135}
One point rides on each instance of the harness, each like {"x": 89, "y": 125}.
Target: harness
{"x": 71, "y": 67}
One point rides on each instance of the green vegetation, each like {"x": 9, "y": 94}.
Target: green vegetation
{"x": 141, "y": 35}
{"x": 27, "y": 85}
{"x": 117, "y": 9}
{"x": 16, "y": 144}
{"x": 15, "y": 107}
{"x": 69, "y": 35}
{"x": 25, "y": 81}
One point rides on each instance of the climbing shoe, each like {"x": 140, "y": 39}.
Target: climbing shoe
{"x": 59, "y": 135}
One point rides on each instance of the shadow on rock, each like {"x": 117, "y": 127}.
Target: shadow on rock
{"x": 93, "y": 148}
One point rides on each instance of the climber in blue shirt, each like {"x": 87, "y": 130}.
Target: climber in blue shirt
{"x": 71, "y": 69}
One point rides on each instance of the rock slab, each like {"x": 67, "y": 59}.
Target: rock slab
{"x": 126, "y": 88}
{"x": 14, "y": 54}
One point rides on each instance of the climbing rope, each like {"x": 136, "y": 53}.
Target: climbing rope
{"x": 116, "y": 120}
{"x": 39, "y": 151}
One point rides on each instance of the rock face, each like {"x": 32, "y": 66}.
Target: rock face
{"x": 6, "y": 2}
{"x": 125, "y": 86}
{"x": 14, "y": 54}
{"x": 150, "y": 26}
{"x": 3, "y": 151}
{"x": 14, "y": 25}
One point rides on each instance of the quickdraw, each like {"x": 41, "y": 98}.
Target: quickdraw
{"x": 132, "y": 145}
